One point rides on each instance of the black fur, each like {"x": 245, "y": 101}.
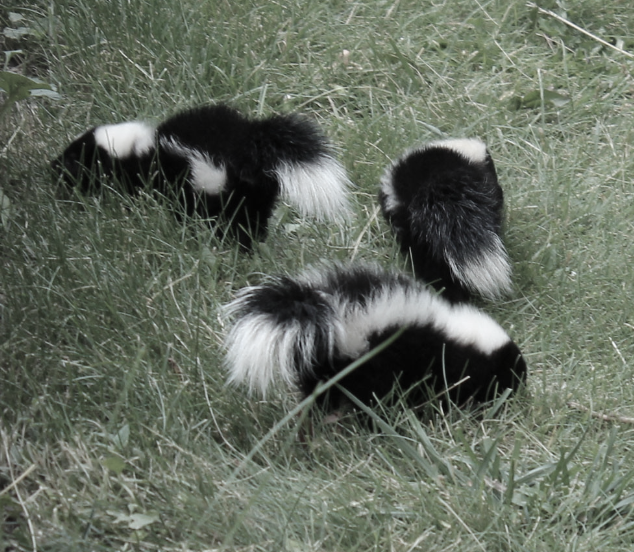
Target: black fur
{"x": 84, "y": 165}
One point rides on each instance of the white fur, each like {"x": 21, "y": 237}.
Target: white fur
{"x": 125, "y": 139}
{"x": 259, "y": 351}
{"x": 488, "y": 274}
{"x": 471, "y": 149}
{"x": 469, "y": 326}
{"x": 319, "y": 188}
{"x": 400, "y": 307}
{"x": 206, "y": 176}
{"x": 387, "y": 186}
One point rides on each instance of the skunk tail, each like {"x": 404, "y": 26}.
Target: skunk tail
{"x": 445, "y": 205}
{"x": 488, "y": 273}
{"x": 299, "y": 155}
{"x": 283, "y": 328}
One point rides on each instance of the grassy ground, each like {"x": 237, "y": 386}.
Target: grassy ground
{"x": 116, "y": 429}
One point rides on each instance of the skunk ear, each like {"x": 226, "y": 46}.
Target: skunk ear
{"x": 445, "y": 205}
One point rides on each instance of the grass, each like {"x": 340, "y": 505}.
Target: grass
{"x": 117, "y": 431}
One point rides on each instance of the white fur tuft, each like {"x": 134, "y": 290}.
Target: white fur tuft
{"x": 471, "y": 149}
{"x": 125, "y": 139}
{"x": 206, "y": 176}
{"x": 259, "y": 351}
{"x": 318, "y": 188}
{"x": 488, "y": 274}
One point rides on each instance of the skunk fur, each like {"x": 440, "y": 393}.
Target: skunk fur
{"x": 305, "y": 330}
{"x": 217, "y": 163}
{"x": 445, "y": 205}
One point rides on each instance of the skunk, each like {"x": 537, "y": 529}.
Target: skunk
{"x": 217, "y": 163}
{"x": 444, "y": 204}
{"x": 307, "y": 329}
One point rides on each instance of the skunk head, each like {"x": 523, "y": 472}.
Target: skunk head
{"x": 475, "y": 347}
{"x": 483, "y": 377}
{"x": 510, "y": 367}
{"x": 79, "y": 164}
{"x": 97, "y": 153}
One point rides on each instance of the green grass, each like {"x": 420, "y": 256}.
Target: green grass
{"x": 117, "y": 431}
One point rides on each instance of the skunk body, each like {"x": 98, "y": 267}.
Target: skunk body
{"x": 445, "y": 205}
{"x": 306, "y": 330}
{"x": 217, "y": 163}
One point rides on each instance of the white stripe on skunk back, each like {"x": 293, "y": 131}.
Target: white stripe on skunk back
{"x": 205, "y": 176}
{"x": 416, "y": 306}
{"x": 445, "y": 206}
{"x": 304, "y": 330}
{"x": 471, "y": 149}
{"x": 124, "y": 140}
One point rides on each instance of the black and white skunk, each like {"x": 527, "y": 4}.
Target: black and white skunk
{"x": 217, "y": 163}
{"x": 445, "y": 205}
{"x": 305, "y": 330}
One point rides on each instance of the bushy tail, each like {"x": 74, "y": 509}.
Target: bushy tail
{"x": 300, "y": 157}
{"x": 463, "y": 233}
{"x": 488, "y": 272}
{"x": 281, "y": 329}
